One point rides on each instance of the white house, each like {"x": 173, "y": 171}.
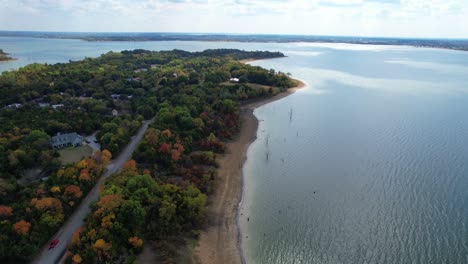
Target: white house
{"x": 14, "y": 106}
{"x": 44, "y": 105}
{"x": 66, "y": 140}
{"x": 55, "y": 106}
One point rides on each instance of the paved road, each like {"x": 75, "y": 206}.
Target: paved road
{"x": 76, "y": 219}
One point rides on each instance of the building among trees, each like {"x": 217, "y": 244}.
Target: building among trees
{"x": 66, "y": 140}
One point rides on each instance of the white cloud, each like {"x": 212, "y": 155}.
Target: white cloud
{"x": 419, "y": 18}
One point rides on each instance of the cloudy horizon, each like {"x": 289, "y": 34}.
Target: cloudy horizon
{"x": 371, "y": 18}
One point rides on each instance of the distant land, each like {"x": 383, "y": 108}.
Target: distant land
{"x": 455, "y": 44}
{"x": 4, "y": 56}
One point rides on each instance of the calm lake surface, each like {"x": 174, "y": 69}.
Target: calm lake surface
{"x": 368, "y": 164}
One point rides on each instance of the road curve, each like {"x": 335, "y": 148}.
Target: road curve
{"x": 77, "y": 218}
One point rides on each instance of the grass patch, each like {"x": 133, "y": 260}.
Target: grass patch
{"x": 72, "y": 154}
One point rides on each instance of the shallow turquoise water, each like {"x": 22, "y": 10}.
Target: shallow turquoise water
{"x": 368, "y": 164}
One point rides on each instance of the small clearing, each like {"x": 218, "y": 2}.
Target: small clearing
{"x": 74, "y": 154}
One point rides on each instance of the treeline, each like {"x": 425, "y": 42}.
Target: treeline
{"x": 109, "y": 74}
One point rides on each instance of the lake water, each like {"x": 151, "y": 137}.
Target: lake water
{"x": 368, "y": 164}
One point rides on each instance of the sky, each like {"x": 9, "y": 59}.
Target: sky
{"x": 377, "y": 18}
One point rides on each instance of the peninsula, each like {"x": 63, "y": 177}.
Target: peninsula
{"x": 5, "y": 56}
{"x": 184, "y": 107}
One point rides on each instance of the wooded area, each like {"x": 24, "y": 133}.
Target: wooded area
{"x": 163, "y": 191}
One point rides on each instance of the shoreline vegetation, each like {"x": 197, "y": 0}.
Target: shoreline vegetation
{"x": 196, "y": 101}
{"x": 220, "y": 242}
{"x": 5, "y": 56}
{"x": 453, "y": 44}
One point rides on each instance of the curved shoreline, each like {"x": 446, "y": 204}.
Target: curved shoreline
{"x": 220, "y": 242}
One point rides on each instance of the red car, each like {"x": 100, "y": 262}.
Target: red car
{"x": 53, "y": 243}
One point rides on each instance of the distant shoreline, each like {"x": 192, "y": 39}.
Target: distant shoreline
{"x": 4, "y": 56}
{"x": 452, "y": 44}
{"x": 8, "y": 60}
{"x": 220, "y": 242}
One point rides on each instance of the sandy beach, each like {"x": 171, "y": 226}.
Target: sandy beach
{"x": 219, "y": 241}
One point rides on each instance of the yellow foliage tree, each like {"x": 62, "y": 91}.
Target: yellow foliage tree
{"x": 60, "y": 173}
{"x": 106, "y": 222}
{"x": 82, "y": 164}
{"x": 91, "y": 234}
{"x": 106, "y": 156}
{"x": 76, "y": 259}
{"x": 101, "y": 244}
{"x": 55, "y": 189}
{"x": 70, "y": 172}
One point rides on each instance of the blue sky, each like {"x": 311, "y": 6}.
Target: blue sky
{"x": 400, "y": 18}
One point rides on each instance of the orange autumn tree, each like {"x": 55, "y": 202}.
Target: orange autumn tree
{"x": 21, "y": 227}
{"x": 135, "y": 241}
{"x": 73, "y": 191}
{"x": 5, "y": 211}
{"x": 75, "y": 240}
{"x": 84, "y": 175}
{"x": 108, "y": 203}
{"x": 49, "y": 204}
{"x": 130, "y": 166}
{"x": 166, "y": 133}
{"x": 177, "y": 151}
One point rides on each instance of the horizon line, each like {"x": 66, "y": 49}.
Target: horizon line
{"x": 232, "y": 34}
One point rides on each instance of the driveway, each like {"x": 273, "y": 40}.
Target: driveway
{"x": 77, "y": 218}
{"x": 93, "y": 142}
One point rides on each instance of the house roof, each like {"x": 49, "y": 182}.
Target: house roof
{"x": 65, "y": 138}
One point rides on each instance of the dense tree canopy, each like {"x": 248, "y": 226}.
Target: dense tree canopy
{"x": 30, "y": 215}
{"x": 193, "y": 101}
